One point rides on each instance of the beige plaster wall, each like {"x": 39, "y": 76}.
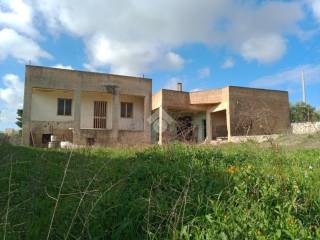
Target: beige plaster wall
{"x": 45, "y": 105}
{"x": 135, "y": 123}
{"x": 87, "y": 107}
{"x": 42, "y": 108}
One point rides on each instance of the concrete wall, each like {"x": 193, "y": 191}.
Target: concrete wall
{"x": 104, "y": 137}
{"x": 208, "y": 96}
{"x": 131, "y": 124}
{"x": 135, "y": 123}
{"x": 87, "y": 107}
{"x": 45, "y": 77}
{"x": 40, "y": 107}
{"x": 45, "y": 105}
{"x": 305, "y": 128}
{"x": 63, "y": 131}
{"x": 219, "y": 124}
{"x": 177, "y": 100}
{"x": 258, "y": 111}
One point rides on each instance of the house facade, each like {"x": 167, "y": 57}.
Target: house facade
{"x": 87, "y": 108}
{"x": 219, "y": 114}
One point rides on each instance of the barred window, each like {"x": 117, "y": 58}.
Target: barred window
{"x": 100, "y": 115}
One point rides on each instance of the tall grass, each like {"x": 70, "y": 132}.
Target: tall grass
{"x": 173, "y": 192}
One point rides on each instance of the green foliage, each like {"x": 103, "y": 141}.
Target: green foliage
{"x": 303, "y": 112}
{"x": 172, "y": 192}
{"x": 4, "y": 139}
{"x": 19, "y": 118}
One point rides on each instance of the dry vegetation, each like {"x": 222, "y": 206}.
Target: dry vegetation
{"x": 242, "y": 191}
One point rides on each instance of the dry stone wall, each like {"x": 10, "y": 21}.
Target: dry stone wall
{"x": 305, "y": 128}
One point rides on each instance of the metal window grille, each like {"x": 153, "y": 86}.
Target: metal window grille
{"x": 100, "y": 115}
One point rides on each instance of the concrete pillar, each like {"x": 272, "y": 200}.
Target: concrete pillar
{"x": 115, "y": 114}
{"x": 146, "y": 118}
{"x": 228, "y": 124}
{"x": 209, "y": 126}
{"x": 77, "y": 115}
{"x": 26, "y": 119}
{"x": 160, "y": 125}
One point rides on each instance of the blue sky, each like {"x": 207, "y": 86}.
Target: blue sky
{"x": 207, "y": 44}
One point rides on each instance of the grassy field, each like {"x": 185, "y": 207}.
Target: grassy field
{"x": 176, "y": 192}
{"x": 306, "y": 141}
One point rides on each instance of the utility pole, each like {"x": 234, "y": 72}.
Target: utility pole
{"x": 304, "y": 99}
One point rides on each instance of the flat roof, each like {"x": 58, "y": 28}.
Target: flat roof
{"x": 262, "y": 89}
{"x": 87, "y": 72}
{"x": 230, "y": 86}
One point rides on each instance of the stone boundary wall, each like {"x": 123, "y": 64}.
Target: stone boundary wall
{"x": 305, "y": 128}
{"x": 258, "y": 138}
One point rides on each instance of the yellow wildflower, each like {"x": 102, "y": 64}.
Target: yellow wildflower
{"x": 231, "y": 169}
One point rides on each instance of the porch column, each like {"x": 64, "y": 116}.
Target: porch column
{"x": 160, "y": 125}
{"x": 208, "y": 126}
{"x": 228, "y": 124}
{"x": 77, "y": 115}
{"x": 115, "y": 114}
{"x": 146, "y": 118}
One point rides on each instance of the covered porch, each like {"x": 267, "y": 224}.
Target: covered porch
{"x": 192, "y": 124}
{"x": 218, "y": 123}
{"x": 85, "y": 117}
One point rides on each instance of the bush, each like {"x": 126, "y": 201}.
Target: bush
{"x": 4, "y": 139}
{"x": 303, "y": 112}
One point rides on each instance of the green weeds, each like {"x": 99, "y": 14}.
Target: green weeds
{"x": 172, "y": 192}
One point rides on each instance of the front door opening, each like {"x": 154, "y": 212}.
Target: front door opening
{"x": 184, "y": 128}
{"x": 219, "y": 124}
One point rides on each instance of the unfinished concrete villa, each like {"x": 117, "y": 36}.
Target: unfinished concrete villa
{"x": 86, "y": 108}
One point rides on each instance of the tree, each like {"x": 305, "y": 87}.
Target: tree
{"x": 303, "y": 112}
{"x": 19, "y": 118}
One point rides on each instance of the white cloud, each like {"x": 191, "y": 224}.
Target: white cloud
{"x": 13, "y": 44}
{"x": 18, "y": 33}
{"x": 265, "y": 49}
{"x": 204, "y": 72}
{"x": 129, "y": 58}
{"x": 138, "y": 36}
{"x": 18, "y": 15}
{"x": 196, "y": 90}
{"x": 290, "y": 79}
{"x": 228, "y": 63}
{"x": 170, "y": 61}
{"x": 11, "y": 97}
{"x": 12, "y": 92}
{"x": 63, "y": 66}
{"x": 315, "y": 5}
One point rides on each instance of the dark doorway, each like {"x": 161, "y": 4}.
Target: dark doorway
{"x": 219, "y": 125}
{"x": 90, "y": 141}
{"x": 184, "y": 128}
{"x": 204, "y": 127}
{"x": 46, "y": 138}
